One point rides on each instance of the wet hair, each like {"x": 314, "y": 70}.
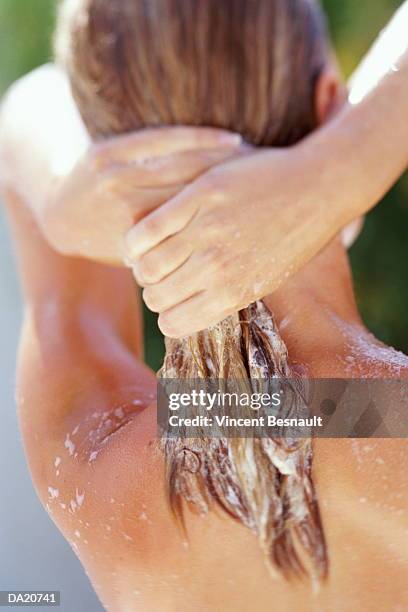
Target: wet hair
{"x": 245, "y": 65}
{"x": 249, "y": 66}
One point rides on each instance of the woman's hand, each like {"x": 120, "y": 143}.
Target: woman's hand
{"x": 237, "y": 232}
{"x": 232, "y": 236}
{"x": 86, "y": 196}
{"x": 119, "y": 181}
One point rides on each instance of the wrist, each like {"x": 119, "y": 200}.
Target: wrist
{"x": 322, "y": 161}
{"x": 345, "y": 167}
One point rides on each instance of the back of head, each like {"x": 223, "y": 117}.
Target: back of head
{"x": 245, "y": 65}
{"x": 249, "y": 66}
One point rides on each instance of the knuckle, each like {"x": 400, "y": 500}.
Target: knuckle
{"x": 213, "y": 258}
{"x": 148, "y": 269}
{"x": 152, "y": 226}
{"x": 210, "y": 223}
{"x": 217, "y": 221}
{"x": 219, "y": 261}
{"x": 97, "y": 158}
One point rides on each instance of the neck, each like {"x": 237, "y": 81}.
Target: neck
{"x": 314, "y": 308}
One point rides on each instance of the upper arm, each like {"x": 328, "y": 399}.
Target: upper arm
{"x": 86, "y": 409}
{"x": 79, "y": 387}
{"x": 87, "y": 417}
{"x": 81, "y": 381}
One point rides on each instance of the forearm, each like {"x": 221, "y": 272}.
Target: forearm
{"x": 41, "y": 135}
{"x": 364, "y": 149}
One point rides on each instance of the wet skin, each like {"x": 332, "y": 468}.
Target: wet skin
{"x": 87, "y": 413}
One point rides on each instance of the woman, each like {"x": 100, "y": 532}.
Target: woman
{"x": 46, "y": 151}
{"x": 100, "y": 471}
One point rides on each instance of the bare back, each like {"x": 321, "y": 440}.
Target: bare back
{"x": 87, "y": 412}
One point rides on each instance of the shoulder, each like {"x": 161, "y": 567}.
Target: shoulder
{"x": 33, "y": 95}
{"x": 46, "y": 79}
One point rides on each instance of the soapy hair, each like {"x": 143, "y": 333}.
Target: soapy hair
{"x": 249, "y": 66}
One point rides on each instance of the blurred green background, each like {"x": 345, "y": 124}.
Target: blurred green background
{"x": 380, "y": 255}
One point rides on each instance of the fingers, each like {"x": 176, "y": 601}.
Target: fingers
{"x": 176, "y": 288}
{"x": 193, "y": 297}
{"x": 171, "y": 169}
{"x": 155, "y": 265}
{"x": 165, "y": 141}
{"x": 192, "y": 315}
{"x": 169, "y": 219}
{"x": 141, "y": 201}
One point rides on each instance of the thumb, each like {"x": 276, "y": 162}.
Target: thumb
{"x": 164, "y": 222}
{"x": 141, "y": 202}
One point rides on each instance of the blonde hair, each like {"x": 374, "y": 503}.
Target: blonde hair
{"x": 249, "y": 66}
